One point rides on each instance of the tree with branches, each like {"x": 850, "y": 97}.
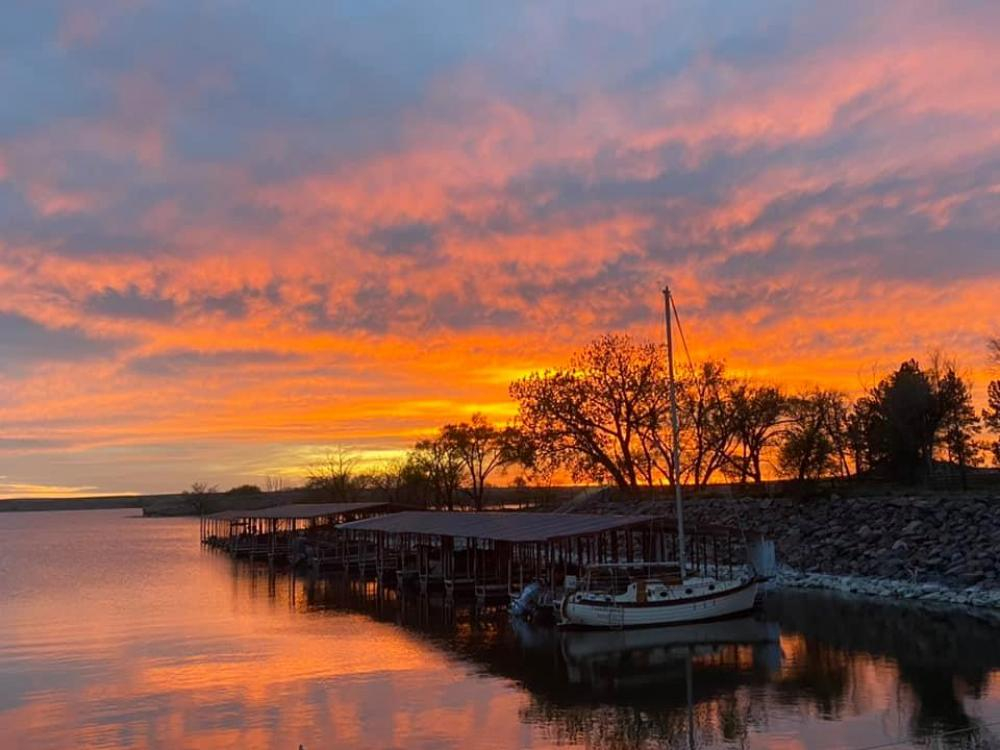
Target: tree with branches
{"x": 437, "y": 462}
{"x": 959, "y": 422}
{"x": 899, "y": 419}
{"x": 603, "y": 416}
{"x": 810, "y": 447}
{"x": 337, "y": 474}
{"x": 199, "y": 494}
{"x": 991, "y": 414}
{"x": 991, "y": 418}
{"x": 483, "y": 449}
{"x": 275, "y": 483}
{"x": 387, "y": 478}
{"x": 758, "y": 415}
{"x": 708, "y": 427}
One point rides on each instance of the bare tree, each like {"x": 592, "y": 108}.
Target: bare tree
{"x": 994, "y": 347}
{"x": 275, "y": 483}
{"x": 483, "y": 449}
{"x": 199, "y": 494}
{"x": 809, "y": 449}
{"x": 439, "y": 463}
{"x": 337, "y": 474}
{"x": 395, "y": 479}
{"x": 708, "y": 426}
{"x": 758, "y": 415}
{"x": 601, "y": 417}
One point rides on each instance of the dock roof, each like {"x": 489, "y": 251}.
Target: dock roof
{"x": 497, "y": 525}
{"x": 300, "y": 511}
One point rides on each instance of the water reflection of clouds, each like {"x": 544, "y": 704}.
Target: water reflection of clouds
{"x": 196, "y": 656}
{"x": 137, "y": 706}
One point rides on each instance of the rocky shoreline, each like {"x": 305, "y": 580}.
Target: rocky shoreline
{"x": 924, "y": 593}
{"x": 935, "y": 548}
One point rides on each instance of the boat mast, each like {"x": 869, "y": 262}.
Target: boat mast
{"x": 675, "y": 424}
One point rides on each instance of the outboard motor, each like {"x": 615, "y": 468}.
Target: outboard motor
{"x": 526, "y": 604}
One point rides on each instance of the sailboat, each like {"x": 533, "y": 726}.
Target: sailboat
{"x": 628, "y": 596}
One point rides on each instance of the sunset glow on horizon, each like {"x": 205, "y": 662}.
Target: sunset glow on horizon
{"x": 232, "y": 235}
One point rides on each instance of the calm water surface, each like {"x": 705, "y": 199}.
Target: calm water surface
{"x": 120, "y": 632}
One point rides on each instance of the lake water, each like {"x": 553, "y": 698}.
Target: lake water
{"x": 121, "y": 632}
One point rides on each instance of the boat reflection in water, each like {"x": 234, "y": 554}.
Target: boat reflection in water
{"x": 652, "y": 670}
{"x": 824, "y": 670}
{"x": 612, "y": 661}
{"x": 634, "y": 666}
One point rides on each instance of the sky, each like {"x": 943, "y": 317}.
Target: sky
{"x": 233, "y": 234}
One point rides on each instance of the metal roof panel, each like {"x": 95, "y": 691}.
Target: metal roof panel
{"x": 497, "y": 525}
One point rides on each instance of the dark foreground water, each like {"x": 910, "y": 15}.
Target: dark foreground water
{"x": 120, "y": 632}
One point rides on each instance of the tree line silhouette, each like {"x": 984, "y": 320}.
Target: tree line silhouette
{"x": 605, "y": 418}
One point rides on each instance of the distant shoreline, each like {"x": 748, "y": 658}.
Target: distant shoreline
{"x": 180, "y": 504}
{"x": 172, "y": 504}
{"x": 84, "y": 503}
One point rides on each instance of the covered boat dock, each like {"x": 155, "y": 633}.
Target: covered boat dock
{"x": 498, "y": 553}
{"x": 289, "y": 533}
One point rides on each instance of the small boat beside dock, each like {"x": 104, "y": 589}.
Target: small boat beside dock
{"x": 630, "y": 596}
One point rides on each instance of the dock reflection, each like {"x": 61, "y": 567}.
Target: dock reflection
{"x": 827, "y": 657}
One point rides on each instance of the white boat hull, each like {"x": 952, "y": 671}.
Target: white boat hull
{"x": 581, "y": 612}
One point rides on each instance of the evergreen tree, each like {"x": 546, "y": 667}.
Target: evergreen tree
{"x": 991, "y": 417}
{"x": 959, "y": 421}
{"x": 899, "y": 420}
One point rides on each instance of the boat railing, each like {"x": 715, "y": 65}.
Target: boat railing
{"x": 615, "y": 578}
{"x": 656, "y": 566}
